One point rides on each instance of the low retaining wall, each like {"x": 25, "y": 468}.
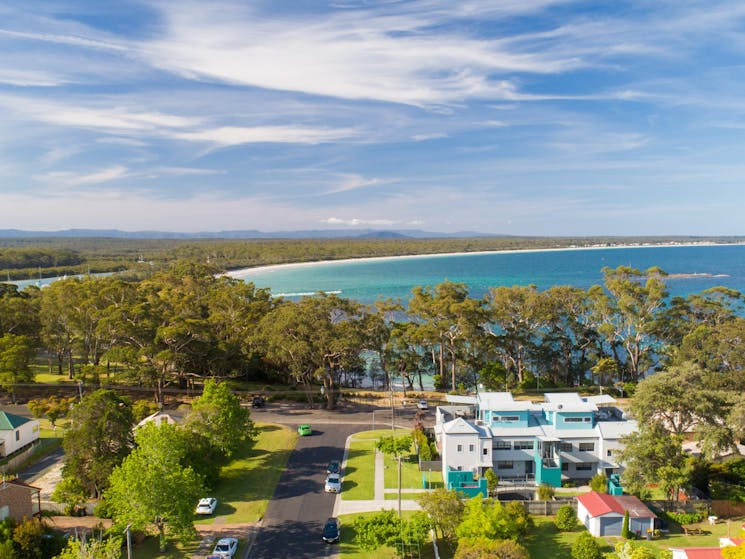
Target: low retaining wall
{"x": 18, "y": 459}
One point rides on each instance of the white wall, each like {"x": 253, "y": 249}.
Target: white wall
{"x": 26, "y": 434}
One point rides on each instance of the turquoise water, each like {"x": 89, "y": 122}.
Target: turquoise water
{"x": 369, "y": 280}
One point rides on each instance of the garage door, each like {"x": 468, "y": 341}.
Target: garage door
{"x": 611, "y": 526}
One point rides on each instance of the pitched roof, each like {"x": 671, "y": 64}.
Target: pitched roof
{"x": 11, "y": 421}
{"x": 459, "y": 426}
{"x": 701, "y": 552}
{"x": 20, "y": 483}
{"x": 599, "y": 504}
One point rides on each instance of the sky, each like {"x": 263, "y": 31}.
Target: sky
{"x": 517, "y": 117}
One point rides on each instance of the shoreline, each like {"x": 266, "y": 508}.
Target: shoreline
{"x": 245, "y": 273}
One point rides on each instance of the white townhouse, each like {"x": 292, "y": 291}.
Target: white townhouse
{"x": 564, "y": 437}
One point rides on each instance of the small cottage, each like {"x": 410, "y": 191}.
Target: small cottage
{"x": 19, "y": 500}
{"x": 602, "y": 514}
{"x": 16, "y": 432}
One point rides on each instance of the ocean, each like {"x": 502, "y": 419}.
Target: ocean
{"x": 694, "y": 268}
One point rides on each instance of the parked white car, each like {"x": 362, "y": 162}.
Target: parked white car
{"x": 206, "y": 505}
{"x": 422, "y": 405}
{"x": 333, "y": 483}
{"x": 225, "y": 548}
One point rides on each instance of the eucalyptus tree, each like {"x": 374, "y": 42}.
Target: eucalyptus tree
{"x": 517, "y": 318}
{"x": 57, "y": 323}
{"x": 235, "y": 309}
{"x": 315, "y": 338}
{"x": 19, "y": 311}
{"x": 378, "y": 324}
{"x": 570, "y": 343}
{"x": 16, "y": 353}
{"x": 719, "y": 348}
{"x": 627, "y": 316}
{"x": 446, "y": 318}
{"x": 152, "y": 486}
{"x": 97, "y": 439}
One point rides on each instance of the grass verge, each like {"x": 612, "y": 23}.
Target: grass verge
{"x": 247, "y": 483}
{"x": 359, "y": 474}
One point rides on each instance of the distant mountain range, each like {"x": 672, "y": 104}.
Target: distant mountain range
{"x": 246, "y": 234}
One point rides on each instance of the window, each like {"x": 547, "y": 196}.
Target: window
{"x": 586, "y": 419}
{"x": 460, "y": 448}
{"x": 565, "y": 466}
{"x": 504, "y": 465}
{"x": 523, "y": 445}
{"x": 502, "y": 445}
{"x": 573, "y": 420}
{"x": 584, "y": 466}
{"x": 565, "y": 447}
{"x": 470, "y": 448}
{"x": 587, "y": 447}
{"x": 486, "y": 452}
{"x": 506, "y": 418}
{"x": 18, "y": 435}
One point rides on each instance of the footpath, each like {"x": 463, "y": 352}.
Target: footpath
{"x": 379, "y": 502}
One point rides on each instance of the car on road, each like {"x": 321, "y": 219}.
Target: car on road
{"x": 332, "y": 530}
{"x": 333, "y": 483}
{"x": 225, "y": 548}
{"x": 334, "y": 467}
{"x": 304, "y": 430}
{"x": 206, "y": 505}
{"x": 422, "y": 405}
{"x": 258, "y": 402}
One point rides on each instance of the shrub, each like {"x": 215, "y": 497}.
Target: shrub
{"x": 625, "y": 532}
{"x": 545, "y": 492}
{"x": 685, "y": 517}
{"x": 599, "y": 483}
{"x": 492, "y": 480}
{"x": 566, "y": 518}
{"x": 586, "y": 547}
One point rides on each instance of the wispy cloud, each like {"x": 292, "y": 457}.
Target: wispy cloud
{"x": 66, "y": 178}
{"x": 357, "y": 222}
{"x": 235, "y": 135}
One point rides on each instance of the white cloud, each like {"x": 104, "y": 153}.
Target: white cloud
{"x": 356, "y": 222}
{"x": 426, "y": 137}
{"x": 358, "y": 54}
{"x": 237, "y": 135}
{"x": 29, "y": 78}
{"x": 66, "y": 178}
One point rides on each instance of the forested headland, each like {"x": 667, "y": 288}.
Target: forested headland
{"x": 28, "y": 258}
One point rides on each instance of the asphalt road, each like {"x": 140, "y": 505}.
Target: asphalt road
{"x": 299, "y": 508}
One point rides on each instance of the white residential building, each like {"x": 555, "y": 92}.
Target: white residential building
{"x": 563, "y": 437}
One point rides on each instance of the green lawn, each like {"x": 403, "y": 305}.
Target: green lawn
{"x": 410, "y": 496}
{"x": 411, "y": 477}
{"x": 148, "y": 549}
{"x": 546, "y": 542}
{"x": 359, "y": 474}
{"x": 247, "y": 483}
{"x": 349, "y": 550}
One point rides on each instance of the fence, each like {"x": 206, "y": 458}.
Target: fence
{"x": 11, "y": 463}
{"x": 725, "y": 509}
{"x": 546, "y": 508}
{"x": 433, "y": 465}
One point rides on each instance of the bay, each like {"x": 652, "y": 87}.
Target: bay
{"x": 693, "y": 268}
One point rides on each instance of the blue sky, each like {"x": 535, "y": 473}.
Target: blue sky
{"x": 523, "y": 117}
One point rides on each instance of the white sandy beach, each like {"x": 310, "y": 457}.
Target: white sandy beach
{"x": 244, "y": 273}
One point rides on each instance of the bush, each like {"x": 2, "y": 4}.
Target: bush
{"x": 545, "y": 492}
{"x": 586, "y": 547}
{"x": 566, "y": 518}
{"x": 625, "y": 531}
{"x": 599, "y": 483}
{"x": 685, "y": 517}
